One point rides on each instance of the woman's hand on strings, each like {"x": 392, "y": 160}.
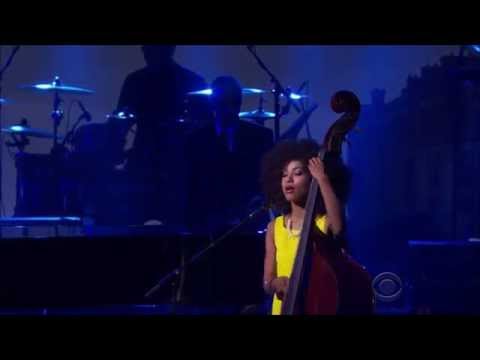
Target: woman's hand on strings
{"x": 280, "y": 286}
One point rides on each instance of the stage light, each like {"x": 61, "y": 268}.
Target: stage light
{"x": 475, "y": 48}
{"x": 472, "y": 49}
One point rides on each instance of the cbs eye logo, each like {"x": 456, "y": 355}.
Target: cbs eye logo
{"x": 387, "y": 287}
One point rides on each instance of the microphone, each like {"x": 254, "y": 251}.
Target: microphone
{"x": 86, "y": 115}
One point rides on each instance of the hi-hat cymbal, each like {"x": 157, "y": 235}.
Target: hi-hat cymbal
{"x": 257, "y": 115}
{"x": 245, "y": 91}
{"x": 26, "y": 131}
{"x": 57, "y": 86}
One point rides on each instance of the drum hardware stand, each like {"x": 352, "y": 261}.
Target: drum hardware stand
{"x": 2, "y": 72}
{"x": 57, "y": 113}
{"x": 59, "y": 150}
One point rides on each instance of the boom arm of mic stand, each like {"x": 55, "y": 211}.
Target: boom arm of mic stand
{"x": 10, "y": 59}
{"x": 264, "y": 67}
{"x": 278, "y": 91}
{"x": 200, "y": 254}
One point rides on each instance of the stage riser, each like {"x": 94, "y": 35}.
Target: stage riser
{"x": 91, "y": 271}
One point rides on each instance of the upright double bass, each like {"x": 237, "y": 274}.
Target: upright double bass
{"x": 325, "y": 282}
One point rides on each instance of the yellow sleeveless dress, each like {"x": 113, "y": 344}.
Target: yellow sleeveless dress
{"x": 286, "y": 245}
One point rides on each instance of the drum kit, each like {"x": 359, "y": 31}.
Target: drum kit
{"x": 20, "y": 133}
{"x": 56, "y": 88}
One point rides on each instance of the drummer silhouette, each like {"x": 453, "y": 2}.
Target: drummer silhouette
{"x": 156, "y": 96}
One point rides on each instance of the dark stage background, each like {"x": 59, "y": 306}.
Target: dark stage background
{"x": 415, "y": 160}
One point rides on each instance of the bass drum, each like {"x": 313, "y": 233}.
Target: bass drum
{"x": 100, "y": 144}
{"x": 40, "y": 188}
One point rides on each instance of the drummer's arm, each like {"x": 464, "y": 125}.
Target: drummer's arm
{"x": 128, "y": 98}
{"x": 126, "y": 102}
{"x": 125, "y": 93}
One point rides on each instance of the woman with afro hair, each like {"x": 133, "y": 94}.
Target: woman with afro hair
{"x": 287, "y": 171}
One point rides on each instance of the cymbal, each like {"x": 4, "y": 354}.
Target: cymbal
{"x": 26, "y": 131}
{"x": 257, "y": 115}
{"x": 245, "y": 91}
{"x": 4, "y": 101}
{"x": 295, "y": 96}
{"x": 252, "y": 91}
{"x": 121, "y": 115}
{"x": 56, "y": 86}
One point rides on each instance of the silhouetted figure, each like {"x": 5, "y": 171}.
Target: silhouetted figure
{"x": 156, "y": 96}
{"x": 224, "y": 158}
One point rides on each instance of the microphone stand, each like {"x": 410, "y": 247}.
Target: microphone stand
{"x": 180, "y": 269}
{"x": 277, "y": 92}
{"x": 2, "y": 72}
